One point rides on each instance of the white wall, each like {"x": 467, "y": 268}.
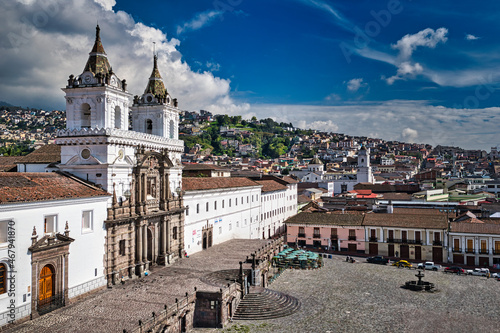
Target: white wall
{"x": 86, "y": 252}
{"x": 229, "y": 222}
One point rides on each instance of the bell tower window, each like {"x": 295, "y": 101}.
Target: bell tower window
{"x": 172, "y": 129}
{"x": 118, "y": 117}
{"x": 85, "y": 115}
{"x": 149, "y": 126}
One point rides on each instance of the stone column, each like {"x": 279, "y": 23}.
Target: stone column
{"x": 145, "y": 246}
{"x": 164, "y": 248}
{"x": 139, "y": 243}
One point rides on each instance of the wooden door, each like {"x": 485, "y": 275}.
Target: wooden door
{"x": 470, "y": 246}
{"x": 150, "y": 245}
{"x": 405, "y": 251}
{"x": 390, "y": 236}
{"x": 373, "y": 249}
{"x": 437, "y": 254}
{"x": 205, "y": 240}
{"x": 404, "y": 236}
{"x": 352, "y": 247}
{"x": 390, "y": 248}
{"x": 210, "y": 238}
{"x": 456, "y": 245}
{"x": 471, "y": 261}
{"x": 46, "y": 283}
{"x": 418, "y": 253}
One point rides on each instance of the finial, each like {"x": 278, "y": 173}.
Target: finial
{"x": 66, "y": 227}
{"x": 154, "y": 49}
{"x": 34, "y": 231}
{"x": 97, "y": 31}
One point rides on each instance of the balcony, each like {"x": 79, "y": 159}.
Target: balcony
{"x": 456, "y": 250}
{"x": 437, "y": 243}
{"x": 495, "y": 251}
{"x": 483, "y": 251}
{"x": 469, "y": 250}
{"x": 334, "y": 238}
{"x": 414, "y": 241}
{"x": 316, "y": 236}
{"x": 352, "y": 238}
{"x": 391, "y": 240}
{"x": 302, "y": 235}
{"x": 373, "y": 239}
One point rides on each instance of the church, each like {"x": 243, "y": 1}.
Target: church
{"x": 139, "y": 164}
{"x": 113, "y": 209}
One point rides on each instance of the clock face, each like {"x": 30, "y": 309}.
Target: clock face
{"x": 87, "y": 78}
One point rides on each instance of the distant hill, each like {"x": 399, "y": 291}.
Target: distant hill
{"x": 2, "y": 103}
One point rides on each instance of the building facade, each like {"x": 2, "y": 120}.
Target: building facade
{"x": 141, "y": 166}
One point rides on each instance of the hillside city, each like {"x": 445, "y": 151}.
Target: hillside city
{"x": 137, "y": 217}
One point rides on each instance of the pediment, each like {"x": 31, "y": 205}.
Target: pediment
{"x": 50, "y": 241}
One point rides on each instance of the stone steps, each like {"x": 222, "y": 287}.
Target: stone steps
{"x": 267, "y": 304}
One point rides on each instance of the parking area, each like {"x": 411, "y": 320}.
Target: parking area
{"x": 363, "y": 297}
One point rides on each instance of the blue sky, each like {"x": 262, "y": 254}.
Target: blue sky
{"x": 422, "y": 71}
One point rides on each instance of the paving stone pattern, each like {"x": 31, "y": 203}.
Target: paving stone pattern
{"x": 363, "y": 297}
{"x": 113, "y": 310}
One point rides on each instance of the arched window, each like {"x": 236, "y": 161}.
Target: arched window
{"x": 85, "y": 115}
{"x": 3, "y": 279}
{"x": 118, "y": 117}
{"x": 172, "y": 129}
{"x": 149, "y": 126}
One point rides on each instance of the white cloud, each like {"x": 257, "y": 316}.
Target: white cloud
{"x": 409, "y": 135}
{"x": 427, "y": 37}
{"x": 327, "y": 8}
{"x": 199, "y": 21}
{"x": 106, "y": 4}
{"x": 471, "y": 37}
{"x": 408, "y": 44}
{"x": 213, "y": 66}
{"x": 395, "y": 120}
{"x": 353, "y": 85}
{"x": 37, "y": 57}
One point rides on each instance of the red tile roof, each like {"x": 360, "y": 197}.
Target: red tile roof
{"x": 45, "y": 154}
{"x": 211, "y": 183}
{"x": 406, "y": 220}
{"x": 476, "y": 228}
{"x": 30, "y": 187}
{"x": 270, "y": 185}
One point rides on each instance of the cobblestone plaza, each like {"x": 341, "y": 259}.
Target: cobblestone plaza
{"x": 362, "y": 297}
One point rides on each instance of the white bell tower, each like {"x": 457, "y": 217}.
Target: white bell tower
{"x": 364, "y": 173}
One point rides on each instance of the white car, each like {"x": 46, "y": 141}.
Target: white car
{"x": 478, "y": 271}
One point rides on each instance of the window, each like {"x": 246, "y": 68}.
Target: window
{"x": 3, "y": 279}
{"x": 207, "y": 207}
{"x": 50, "y": 224}
{"x": 222, "y": 204}
{"x": 174, "y": 233}
{"x": 242, "y": 200}
{"x": 3, "y": 231}
{"x": 302, "y": 232}
{"x": 118, "y": 117}
{"x": 236, "y": 202}
{"x": 215, "y": 205}
{"x": 229, "y": 202}
{"x": 230, "y": 227}
{"x": 248, "y": 199}
{"x": 220, "y": 230}
{"x": 187, "y": 210}
{"x": 121, "y": 246}
{"x": 87, "y": 220}
{"x": 197, "y": 208}
{"x": 149, "y": 126}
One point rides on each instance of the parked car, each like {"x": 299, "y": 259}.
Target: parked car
{"x": 454, "y": 270}
{"x": 429, "y": 265}
{"x": 378, "y": 260}
{"x": 495, "y": 275}
{"x": 478, "y": 271}
{"x": 402, "y": 263}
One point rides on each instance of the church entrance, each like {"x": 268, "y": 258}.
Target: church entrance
{"x": 205, "y": 241}
{"x": 150, "y": 245}
{"x": 210, "y": 238}
{"x": 46, "y": 284}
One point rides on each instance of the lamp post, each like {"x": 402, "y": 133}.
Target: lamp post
{"x": 448, "y": 210}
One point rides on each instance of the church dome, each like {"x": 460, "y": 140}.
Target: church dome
{"x": 316, "y": 161}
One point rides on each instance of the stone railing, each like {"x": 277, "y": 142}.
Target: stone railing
{"x": 119, "y": 134}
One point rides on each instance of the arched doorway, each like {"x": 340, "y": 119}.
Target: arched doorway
{"x": 150, "y": 245}
{"x": 46, "y": 284}
{"x": 204, "y": 241}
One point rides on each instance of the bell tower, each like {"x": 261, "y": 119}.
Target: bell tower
{"x": 97, "y": 98}
{"x": 156, "y": 112}
{"x": 364, "y": 174}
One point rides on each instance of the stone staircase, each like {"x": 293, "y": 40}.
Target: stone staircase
{"x": 261, "y": 304}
